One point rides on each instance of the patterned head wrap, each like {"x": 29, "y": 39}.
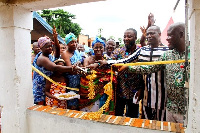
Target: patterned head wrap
{"x": 69, "y": 37}
{"x": 43, "y": 40}
{"x": 98, "y": 40}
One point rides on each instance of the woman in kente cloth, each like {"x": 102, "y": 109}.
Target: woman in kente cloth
{"x": 101, "y": 79}
{"x": 72, "y": 57}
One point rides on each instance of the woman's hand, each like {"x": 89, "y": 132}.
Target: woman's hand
{"x": 80, "y": 70}
{"x": 78, "y": 63}
{"x": 93, "y": 66}
{"x": 55, "y": 34}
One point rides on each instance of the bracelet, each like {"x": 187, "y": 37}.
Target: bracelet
{"x": 98, "y": 64}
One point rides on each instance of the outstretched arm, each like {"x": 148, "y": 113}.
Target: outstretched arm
{"x": 56, "y": 43}
{"x": 131, "y": 58}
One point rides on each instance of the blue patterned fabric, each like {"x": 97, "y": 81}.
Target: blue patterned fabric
{"x": 39, "y": 81}
{"x": 98, "y": 40}
{"x": 69, "y": 37}
{"x": 74, "y": 81}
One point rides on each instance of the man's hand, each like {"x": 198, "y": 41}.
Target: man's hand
{"x": 143, "y": 30}
{"x": 122, "y": 68}
{"x": 151, "y": 20}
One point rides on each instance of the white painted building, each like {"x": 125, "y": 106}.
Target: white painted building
{"x": 15, "y": 70}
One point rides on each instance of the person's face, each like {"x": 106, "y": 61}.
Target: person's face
{"x": 72, "y": 45}
{"x": 98, "y": 49}
{"x": 172, "y": 38}
{"x": 60, "y": 64}
{"x": 153, "y": 36}
{"x": 36, "y": 49}
{"x": 110, "y": 46}
{"x": 47, "y": 48}
{"x": 62, "y": 48}
{"x": 80, "y": 48}
{"x": 129, "y": 38}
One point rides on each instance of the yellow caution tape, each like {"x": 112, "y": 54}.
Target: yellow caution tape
{"x": 46, "y": 77}
{"x": 146, "y": 63}
{"x": 149, "y": 63}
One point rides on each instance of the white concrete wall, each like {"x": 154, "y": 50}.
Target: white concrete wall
{"x": 15, "y": 69}
{"x": 194, "y": 94}
{"x": 40, "y": 122}
{"x": 15, "y": 79}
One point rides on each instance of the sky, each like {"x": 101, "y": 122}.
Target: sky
{"x": 115, "y": 16}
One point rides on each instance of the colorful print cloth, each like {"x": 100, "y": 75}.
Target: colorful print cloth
{"x": 55, "y": 89}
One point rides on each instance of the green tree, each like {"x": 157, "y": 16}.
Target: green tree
{"x": 120, "y": 40}
{"x": 62, "y": 21}
{"x": 137, "y": 41}
{"x": 112, "y": 37}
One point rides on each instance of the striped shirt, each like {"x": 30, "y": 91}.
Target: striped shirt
{"x": 154, "y": 93}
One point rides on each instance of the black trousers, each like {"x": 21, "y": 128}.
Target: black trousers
{"x": 132, "y": 110}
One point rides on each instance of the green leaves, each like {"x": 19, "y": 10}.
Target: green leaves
{"x": 62, "y": 21}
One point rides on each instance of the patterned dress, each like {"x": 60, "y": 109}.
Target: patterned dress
{"x": 39, "y": 81}
{"x": 74, "y": 81}
{"x": 55, "y": 89}
{"x": 91, "y": 105}
{"x": 128, "y": 83}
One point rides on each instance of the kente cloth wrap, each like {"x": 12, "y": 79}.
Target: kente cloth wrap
{"x": 69, "y": 37}
{"x": 98, "y": 40}
{"x": 102, "y": 78}
{"x": 39, "y": 81}
{"x": 55, "y": 89}
{"x": 43, "y": 40}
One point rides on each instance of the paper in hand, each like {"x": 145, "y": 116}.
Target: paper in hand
{"x": 135, "y": 99}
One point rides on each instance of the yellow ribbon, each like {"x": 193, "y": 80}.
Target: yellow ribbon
{"x": 150, "y": 63}
{"x": 146, "y": 63}
{"x": 46, "y": 77}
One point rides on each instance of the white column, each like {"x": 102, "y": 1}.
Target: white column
{"x": 194, "y": 92}
{"x": 15, "y": 67}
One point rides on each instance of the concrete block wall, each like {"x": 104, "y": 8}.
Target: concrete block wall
{"x": 47, "y": 119}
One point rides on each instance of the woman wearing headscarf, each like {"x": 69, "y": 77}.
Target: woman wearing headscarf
{"x": 99, "y": 81}
{"x": 72, "y": 57}
{"x": 44, "y": 63}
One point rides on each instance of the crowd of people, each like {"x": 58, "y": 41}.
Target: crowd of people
{"x": 158, "y": 87}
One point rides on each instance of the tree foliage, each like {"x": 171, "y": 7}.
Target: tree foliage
{"x": 62, "y": 21}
